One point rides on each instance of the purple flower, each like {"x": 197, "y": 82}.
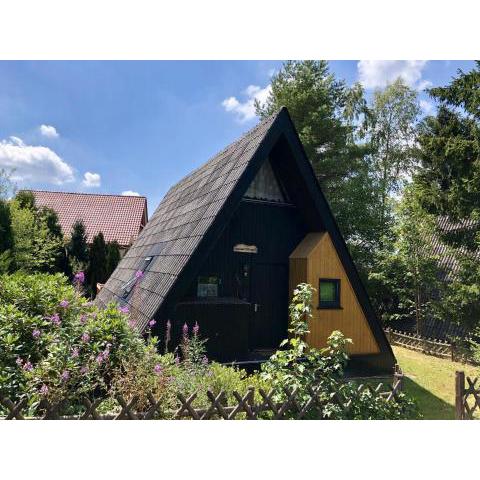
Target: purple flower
{"x": 43, "y": 390}
{"x": 167, "y": 335}
{"x": 84, "y": 370}
{"x": 64, "y": 303}
{"x": 36, "y": 333}
{"x": 151, "y": 323}
{"x": 75, "y": 352}
{"x": 83, "y": 318}
{"x": 19, "y": 362}
{"x": 99, "y": 358}
{"x": 124, "y": 309}
{"x": 185, "y": 329}
{"x": 65, "y": 376}
{"x": 79, "y": 278}
{"x": 55, "y": 319}
{"x": 177, "y": 360}
{"x": 139, "y": 274}
{"x": 131, "y": 323}
{"x": 196, "y": 329}
{"x": 158, "y": 369}
{"x": 106, "y": 353}
{"x": 85, "y": 337}
{"x": 28, "y": 366}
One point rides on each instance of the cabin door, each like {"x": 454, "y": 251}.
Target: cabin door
{"x": 269, "y": 298}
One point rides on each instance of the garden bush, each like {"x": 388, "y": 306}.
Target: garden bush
{"x": 55, "y": 344}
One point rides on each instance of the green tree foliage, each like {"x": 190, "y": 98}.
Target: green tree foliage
{"x": 77, "y": 248}
{"x": 406, "y": 282}
{"x": 35, "y": 248}
{"x": 390, "y": 127}
{"x": 6, "y": 236}
{"x": 113, "y": 257}
{"x": 449, "y": 178}
{"x": 324, "y": 111}
{"x": 97, "y": 268}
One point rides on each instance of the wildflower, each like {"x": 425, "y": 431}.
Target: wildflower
{"x": 36, "y": 333}
{"x": 139, "y": 274}
{"x": 19, "y": 362}
{"x": 106, "y": 353}
{"x": 79, "y": 278}
{"x": 167, "y": 335}
{"x": 185, "y": 329}
{"x": 43, "y": 390}
{"x": 83, "y": 319}
{"x": 205, "y": 360}
{"x": 177, "y": 360}
{"x": 64, "y": 303}
{"x": 84, "y": 370}
{"x": 196, "y": 329}
{"x": 158, "y": 369}
{"x": 131, "y": 323}
{"x": 65, "y": 376}
{"x": 85, "y": 337}
{"x": 55, "y": 319}
{"x": 151, "y": 323}
{"x": 28, "y": 366}
{"x": 124, "y": 309}
{"x": 75, "y": 352}
{"x": 100, "y": 358}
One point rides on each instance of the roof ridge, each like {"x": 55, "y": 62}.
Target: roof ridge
{"x": 83, "y": 193}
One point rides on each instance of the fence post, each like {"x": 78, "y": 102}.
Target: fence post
{"x": 459, "y": 393}
{"x": 452, "y": 348}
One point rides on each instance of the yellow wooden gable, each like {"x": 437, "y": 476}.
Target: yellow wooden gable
{"x": 315, "y": 258}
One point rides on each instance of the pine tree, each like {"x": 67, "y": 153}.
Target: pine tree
{"x": 77, "y": 247}
{"x": 6, "y": 235}
{"x": 97, "y": 268}
{"x": 113, "y": 256}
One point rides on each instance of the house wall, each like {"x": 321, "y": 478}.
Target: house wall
{"x": 315, "y": 258}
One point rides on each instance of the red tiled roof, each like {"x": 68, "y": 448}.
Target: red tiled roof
{"x": 118, "y": 217}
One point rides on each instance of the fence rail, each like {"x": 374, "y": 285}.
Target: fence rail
{"x": 429, "y": 346}
{"x": 247, "y": 406}
{"x": 467, "y": 397}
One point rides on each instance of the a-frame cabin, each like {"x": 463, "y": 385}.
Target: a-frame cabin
{"x": 228, "y": 243}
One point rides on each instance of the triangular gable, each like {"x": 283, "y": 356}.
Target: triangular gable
{"x": 265, "y": 185}
{"x": 193, "y": 214}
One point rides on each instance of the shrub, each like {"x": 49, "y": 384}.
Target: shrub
{"x": 56, "y": 345}
{"x": 299, "y": 367}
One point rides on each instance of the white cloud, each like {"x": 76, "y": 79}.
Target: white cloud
{"x": 245, "y": 110}
{"x": 130, "y": 193}
{"x": 49, "y": 131}
{"x": 427, "y": 107}
{"x": 91, "y": 180}
{"x": 32, "y": 163}
{"x": 379, "y": 73}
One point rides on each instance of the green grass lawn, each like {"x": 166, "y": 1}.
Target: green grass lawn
{"x": 431, "y": 382}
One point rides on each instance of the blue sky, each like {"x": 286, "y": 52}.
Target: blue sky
{"x": 113, "y": 127}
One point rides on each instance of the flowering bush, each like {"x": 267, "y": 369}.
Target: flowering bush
{"x": 56, "y": 345}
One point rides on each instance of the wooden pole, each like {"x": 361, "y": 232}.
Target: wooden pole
{"x": 459, "y": 393}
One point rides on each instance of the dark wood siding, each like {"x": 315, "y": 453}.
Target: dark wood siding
{"x": 260, "y": 279}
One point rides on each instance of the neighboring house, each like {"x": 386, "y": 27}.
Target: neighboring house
{"x": 118, "y": 217}
{"x": 447, "y": 258}
{"x": 230, "y": 241}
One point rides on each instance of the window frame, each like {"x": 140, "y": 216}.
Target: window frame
{"x": 336, "y": 304}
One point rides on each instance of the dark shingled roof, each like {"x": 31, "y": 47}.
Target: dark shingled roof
{"x": 178, "y": 226}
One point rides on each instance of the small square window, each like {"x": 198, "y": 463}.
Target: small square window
{"x": 329, "y": 293}
{"x": 208, "y": 286}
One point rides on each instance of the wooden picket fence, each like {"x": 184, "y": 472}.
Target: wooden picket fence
{"x": 467, "y": 397}
{"x": 429, "y": 346}
{"x": 247, "y": 406}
